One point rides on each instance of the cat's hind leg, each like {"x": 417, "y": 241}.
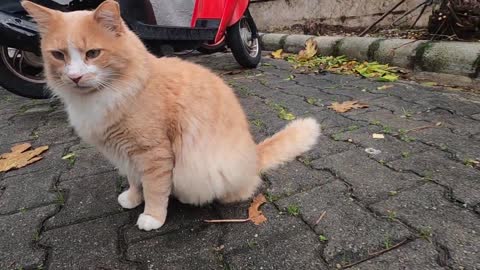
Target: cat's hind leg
{"x": 244, "y": 192}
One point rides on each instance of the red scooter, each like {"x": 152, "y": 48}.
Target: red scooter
{"x": 214, "y": 24}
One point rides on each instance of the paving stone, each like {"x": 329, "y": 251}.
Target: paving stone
{"x": 18, "y": 232}
{"x": 180, "y": 216}
{"x": 295, "y": 177}
{"x": 452, "y": 103}
{"x": 387, "y": 118}
{"x": 282, "y": 242}
{"x": 464, "y": 181}
{"x": 370, "y": 180}
{"x": 398, "y": 106}
{"x": 52, "y": 160}
{"x": 333, "y": 122}
{"x": 87, "y": 198}
{"x": 461, "y": 146}
{"x": 28, "y": 191}
{"x": 190, "y": 248}
{"x": 418, "y": 254}
{"x": 21, "y": 128}
{"x": 390, "y": 147}
{"x": 56, "y": 130}
{"x": 88, "y": 161}
{"x": 458, "y": 124}
{"x": 89, "y": 245}
{"x": 325, "y": 147}
{"x": 351, "y": 90}
{"x": 263, "y": 116}
{"x": 360, "y": 233}
{"x": 407, "y": 91}
{"x": 454, "y": 228}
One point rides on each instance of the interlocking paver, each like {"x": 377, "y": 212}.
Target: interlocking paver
{"x": 351, "y": 232}
{"x": 86, "y": 198}
{"x": 435, "y": 166}
{"x": 28, "y": 191}
{"x": 18, "y": 234}
{"x": 414, "y": 205}
{"x": 371, "y": 181}
{"x": 88, "y": 245}
{"x": 418, "y": 254}
{"x": 436, "y": 219}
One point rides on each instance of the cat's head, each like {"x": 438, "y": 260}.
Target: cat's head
{"x": 84, "y": 51}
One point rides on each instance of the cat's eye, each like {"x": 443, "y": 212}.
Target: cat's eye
{"x": 58, "y": 55}
{"x": 91, "y": 54}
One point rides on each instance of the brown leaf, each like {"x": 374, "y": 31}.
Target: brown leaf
{"x": 254, "y": 212}
{"x": 19, "y": 157}
{"x": 277, "y": 54}
{"x": 347, "y": 106}
{"x": 310, "y": 50}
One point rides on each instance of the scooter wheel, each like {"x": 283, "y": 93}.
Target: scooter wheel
{"x": 21, "y": 73}
{"x": 245, "y": 47}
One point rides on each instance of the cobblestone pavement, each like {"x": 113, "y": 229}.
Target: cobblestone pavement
{"x": 414, "y": 205}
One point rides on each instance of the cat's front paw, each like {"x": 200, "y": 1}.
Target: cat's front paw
{"x": 129, "y": 200}
{"x": 148, "y": 223}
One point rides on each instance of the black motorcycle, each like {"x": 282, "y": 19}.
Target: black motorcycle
{"x": 214, "y": 24}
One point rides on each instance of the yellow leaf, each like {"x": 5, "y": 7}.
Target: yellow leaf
{"x": 310, "y": 50}
{"x": 347, "y": 106}
{"x": 19, "y": 157}
{"x": 277, "y": 54}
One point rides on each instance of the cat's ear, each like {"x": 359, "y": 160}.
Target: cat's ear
{"x": 108, "y": 15}
{"x": 43, "y": 16}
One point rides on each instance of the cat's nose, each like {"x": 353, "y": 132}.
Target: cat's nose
{"x": 75, "y": 79}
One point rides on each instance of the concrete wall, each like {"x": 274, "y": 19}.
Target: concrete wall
{"x": 277, "y": 14}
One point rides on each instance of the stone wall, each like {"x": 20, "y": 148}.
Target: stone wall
{"x": 277, "y": 14}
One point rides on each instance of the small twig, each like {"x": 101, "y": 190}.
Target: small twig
{"x": 420, "y": 15}
{"x": 320, "y": 218}
{"x": 226, "y": 220}
{"x": 422, "y": 128}
{"x": 381, "y": 18}
{"x": 387, "y": 249}
{"x": 375, "y": 254}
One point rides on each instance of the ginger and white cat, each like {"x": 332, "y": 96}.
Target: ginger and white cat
{"x": 171, "y": 126}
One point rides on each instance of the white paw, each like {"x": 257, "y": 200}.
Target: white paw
{"x": 148, "y": 223}
{"x": 125, "y": 202}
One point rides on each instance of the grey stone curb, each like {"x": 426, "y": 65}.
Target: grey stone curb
{"x": 455, "y": 58}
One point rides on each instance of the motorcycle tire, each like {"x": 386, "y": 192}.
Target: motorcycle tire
{"x": 206, "y": 49}
{"x": 18, "y": 86}
{"x": 247, "y": 56}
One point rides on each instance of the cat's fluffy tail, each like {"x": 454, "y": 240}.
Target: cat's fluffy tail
{"x": 296, "y": 138}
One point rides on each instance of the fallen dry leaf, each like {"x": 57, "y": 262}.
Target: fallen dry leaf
{"x": 347, "y": 106}
{"x": 378, "y": 136}
{"x": 254, "y": 212}
{"x": 19, "y": 157}
{"x": 310, "y": 50}
{"x": 278, "y": 54}
{"x": 255, "y": 215}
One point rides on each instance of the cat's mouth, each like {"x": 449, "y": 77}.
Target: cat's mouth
{"x": 83, "y": 89}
